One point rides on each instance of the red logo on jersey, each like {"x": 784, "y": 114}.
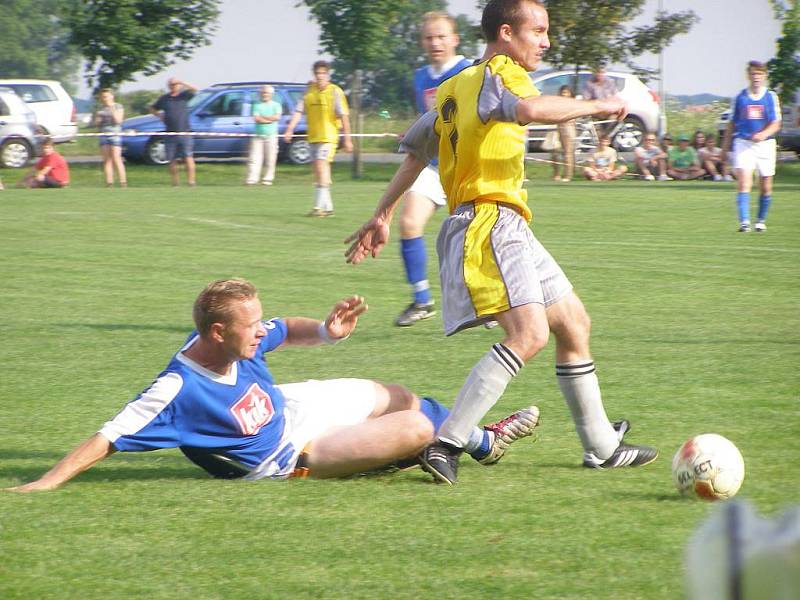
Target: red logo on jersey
{"x": 755, "y": 111}
{"x": 253, "y": 410}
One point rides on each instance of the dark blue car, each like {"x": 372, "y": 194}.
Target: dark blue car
{"x": 221, "y": 108}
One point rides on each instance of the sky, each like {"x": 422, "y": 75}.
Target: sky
{"x": 274, "y": 40}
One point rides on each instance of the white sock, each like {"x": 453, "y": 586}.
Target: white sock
{"x": 318, "y": 198}
{"x": 485, "y": 384}
{"x": 475, "y": 440}
{"x": 581, "y": 390}
{"x": 324, "y": 201}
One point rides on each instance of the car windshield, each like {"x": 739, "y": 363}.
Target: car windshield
{"x": 199, "y": 98}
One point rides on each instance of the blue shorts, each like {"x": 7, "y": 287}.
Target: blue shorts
{"x": 178, "y": 146}
{"x": 111, "y": 140}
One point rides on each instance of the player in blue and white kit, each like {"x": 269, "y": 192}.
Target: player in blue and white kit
{"x": 439, "y": 39}
{"x": 755, "y": 119}
{"x": 218, "y": 402}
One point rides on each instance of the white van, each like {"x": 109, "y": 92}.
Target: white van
{"x": 54, "y": 109}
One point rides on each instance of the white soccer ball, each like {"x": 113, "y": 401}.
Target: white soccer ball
{"x": 708, "y": 466}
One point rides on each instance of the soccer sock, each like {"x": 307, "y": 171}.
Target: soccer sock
{"x": 581, "y": 390}
{"x": 485, "y": 384}
{"x": 743, "y": 204}
{"x": 480, "y": 442}
{"x": 763, "y": 206}
{"x": 325, "y": 198}
{"x": 415, "y": 260}
{"x": 318, "y": 197}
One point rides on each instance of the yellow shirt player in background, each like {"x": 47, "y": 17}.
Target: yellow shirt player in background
{"x": 490, "y": 264}
{"x": 325, "y": 107}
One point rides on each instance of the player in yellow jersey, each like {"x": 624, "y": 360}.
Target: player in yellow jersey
{"x": 325, "y": 107}
{"x": 490, "y": 264}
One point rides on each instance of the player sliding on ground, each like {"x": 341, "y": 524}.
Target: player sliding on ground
{"x": 491, "y": 265}
{"x": 218, "y": 403}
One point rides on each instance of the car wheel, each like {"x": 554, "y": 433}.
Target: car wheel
{"x": 15, "y": 153}
{"x": 299, "y": 152}
{"x": 155, "y": 152}
{"x": 629, "y": 135}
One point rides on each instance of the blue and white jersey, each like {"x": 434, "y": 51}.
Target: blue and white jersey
{"x": 427, "y": 79}
{"x": 240, "y": 415}
{"x": 751, "y": 113}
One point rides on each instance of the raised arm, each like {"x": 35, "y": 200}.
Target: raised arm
{"x": 89, "y": 453}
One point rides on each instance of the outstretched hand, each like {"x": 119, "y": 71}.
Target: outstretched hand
{"x": 368, "y": 240}
{"x": 344, "y": 315}
{"x": 613, "y": 107}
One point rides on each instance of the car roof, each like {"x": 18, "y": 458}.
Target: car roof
{"x": 27, "y": 81}
{"x": 254, "y": 83}
{"x": 582, "y": 70}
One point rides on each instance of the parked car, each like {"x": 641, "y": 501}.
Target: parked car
{"x": 20, "y": 137}
{"x": 789, "y": 135}
{"x": 54, "y": 108}
{"x": 644, "y": 110}
{"x": 221, "y": 108}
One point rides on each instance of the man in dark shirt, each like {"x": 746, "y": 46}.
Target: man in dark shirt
{"x": 172, "y": 108}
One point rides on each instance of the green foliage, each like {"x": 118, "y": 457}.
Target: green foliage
{"x": 592, "y": 32}
{"x": 381, "y": 39}
{"x": 138, "y": 102}
{"x": 695, "y": 329}
{"x": 34, "y": 41}
{"x": 784, "y": 68}
{"x": 122, "y": 38}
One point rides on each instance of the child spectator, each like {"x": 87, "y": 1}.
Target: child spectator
{"x": 649, "y": 158}
{"x": 683, "y": 162}
{"x": 713, "y": 161}
{"x": 51, "y": 171}
{"x": 603, "y": 163}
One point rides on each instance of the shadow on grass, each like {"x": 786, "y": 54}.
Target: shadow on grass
{"x": 125, "y": 327}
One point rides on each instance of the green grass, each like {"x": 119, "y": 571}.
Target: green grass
{"x": 695, "y": 329}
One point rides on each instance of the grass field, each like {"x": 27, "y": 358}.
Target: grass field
{"x": 695, "y": 329}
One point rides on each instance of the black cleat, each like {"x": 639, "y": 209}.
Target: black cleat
{"x": 621, "y": 427}
{"x": 624, "y": 456}
{"x": 415, "y": 312}
{"x": 441, "y": 460}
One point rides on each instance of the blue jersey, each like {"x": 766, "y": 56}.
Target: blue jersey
{"x": 240, "y": 415}
{"x": 752, "y": 114}
{"x": 426, "y": 82}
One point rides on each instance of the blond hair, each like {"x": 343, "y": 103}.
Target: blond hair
{"x": 215, "y": 302}
{"x": 439, "y": 15}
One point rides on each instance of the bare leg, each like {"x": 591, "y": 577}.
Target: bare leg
{"x": 190, "y": 170}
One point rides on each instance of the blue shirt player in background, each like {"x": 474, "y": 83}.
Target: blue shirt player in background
{"x": 217, "y": 401}
{"x": 439, "y": 39}
{"x": 755, "y": 119}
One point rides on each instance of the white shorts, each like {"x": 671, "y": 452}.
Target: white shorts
{"x": 312, "y": 408}
{"x": 489, "y": 262}
{"x": 322, "y": 151}
{"x": 429, "y": 185}
{"x": 748, "y": 155}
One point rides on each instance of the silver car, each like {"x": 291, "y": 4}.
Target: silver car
{"x": 644, "y": 111}
{"x": 20, "y": 137}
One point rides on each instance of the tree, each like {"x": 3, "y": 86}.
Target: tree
{"x": 34, "y": 41}
{"x": 590, "y": 33}
{"x": 784, "y": 68}
{"x": 122, "y": 38}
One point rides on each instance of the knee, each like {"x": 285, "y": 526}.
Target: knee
{"x": 401, "y": 398}
{"x": 527, "y": 344}
{"x": 419, "y": 430}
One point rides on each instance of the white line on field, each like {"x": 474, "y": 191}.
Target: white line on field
{"x": 209, "y": 222}
{"x": 714, "y": 248}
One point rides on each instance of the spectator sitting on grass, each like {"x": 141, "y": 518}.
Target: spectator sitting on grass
{"x": 683, "y": 162}
{"x": 51, "y": 171}
{"x": 603, "y": 163}
{"x": 713, "y": 160}
{"x": 649, "y": 158}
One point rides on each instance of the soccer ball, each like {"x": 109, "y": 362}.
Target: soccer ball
{"x": 708, "y": 466}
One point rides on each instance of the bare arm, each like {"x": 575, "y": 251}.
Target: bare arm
{"x": 556, "y": 109}
{"x": 373, "y": 235}
{"x": 347, "y": 145}
{"x": 771, "y": 129}
{"x": 339, "y": 324}
{"x": 89, "y": 453}
{"x": 726, "y": 139}
{"x": 287, "y": 134}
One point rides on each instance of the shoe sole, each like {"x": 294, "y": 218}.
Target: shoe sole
{"x": 410, "y": 323}
{"x": 437, "y": 476}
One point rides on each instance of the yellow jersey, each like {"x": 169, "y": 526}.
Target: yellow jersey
{"x": 481, "y": 144}
{"x": 324, "y": 109}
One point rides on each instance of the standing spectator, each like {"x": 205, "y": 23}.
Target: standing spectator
{"x": 650, "y": 158}
{"x": 439, "y": 39}
{"x": 173, "y": 109}
{"x": 563, "y": 157}
{"x": 603, "y": 163}
{"x": 51, "y": 171}
{"x": 325, "y": 107}
{"x": 600, "y": 87}
{"x": 264, "y": 146}
{"x": 108, "y": 119}
{"x": 713, "y": 160}
{"x": 755, "y": 119}
{"x": 683, "y": 162}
